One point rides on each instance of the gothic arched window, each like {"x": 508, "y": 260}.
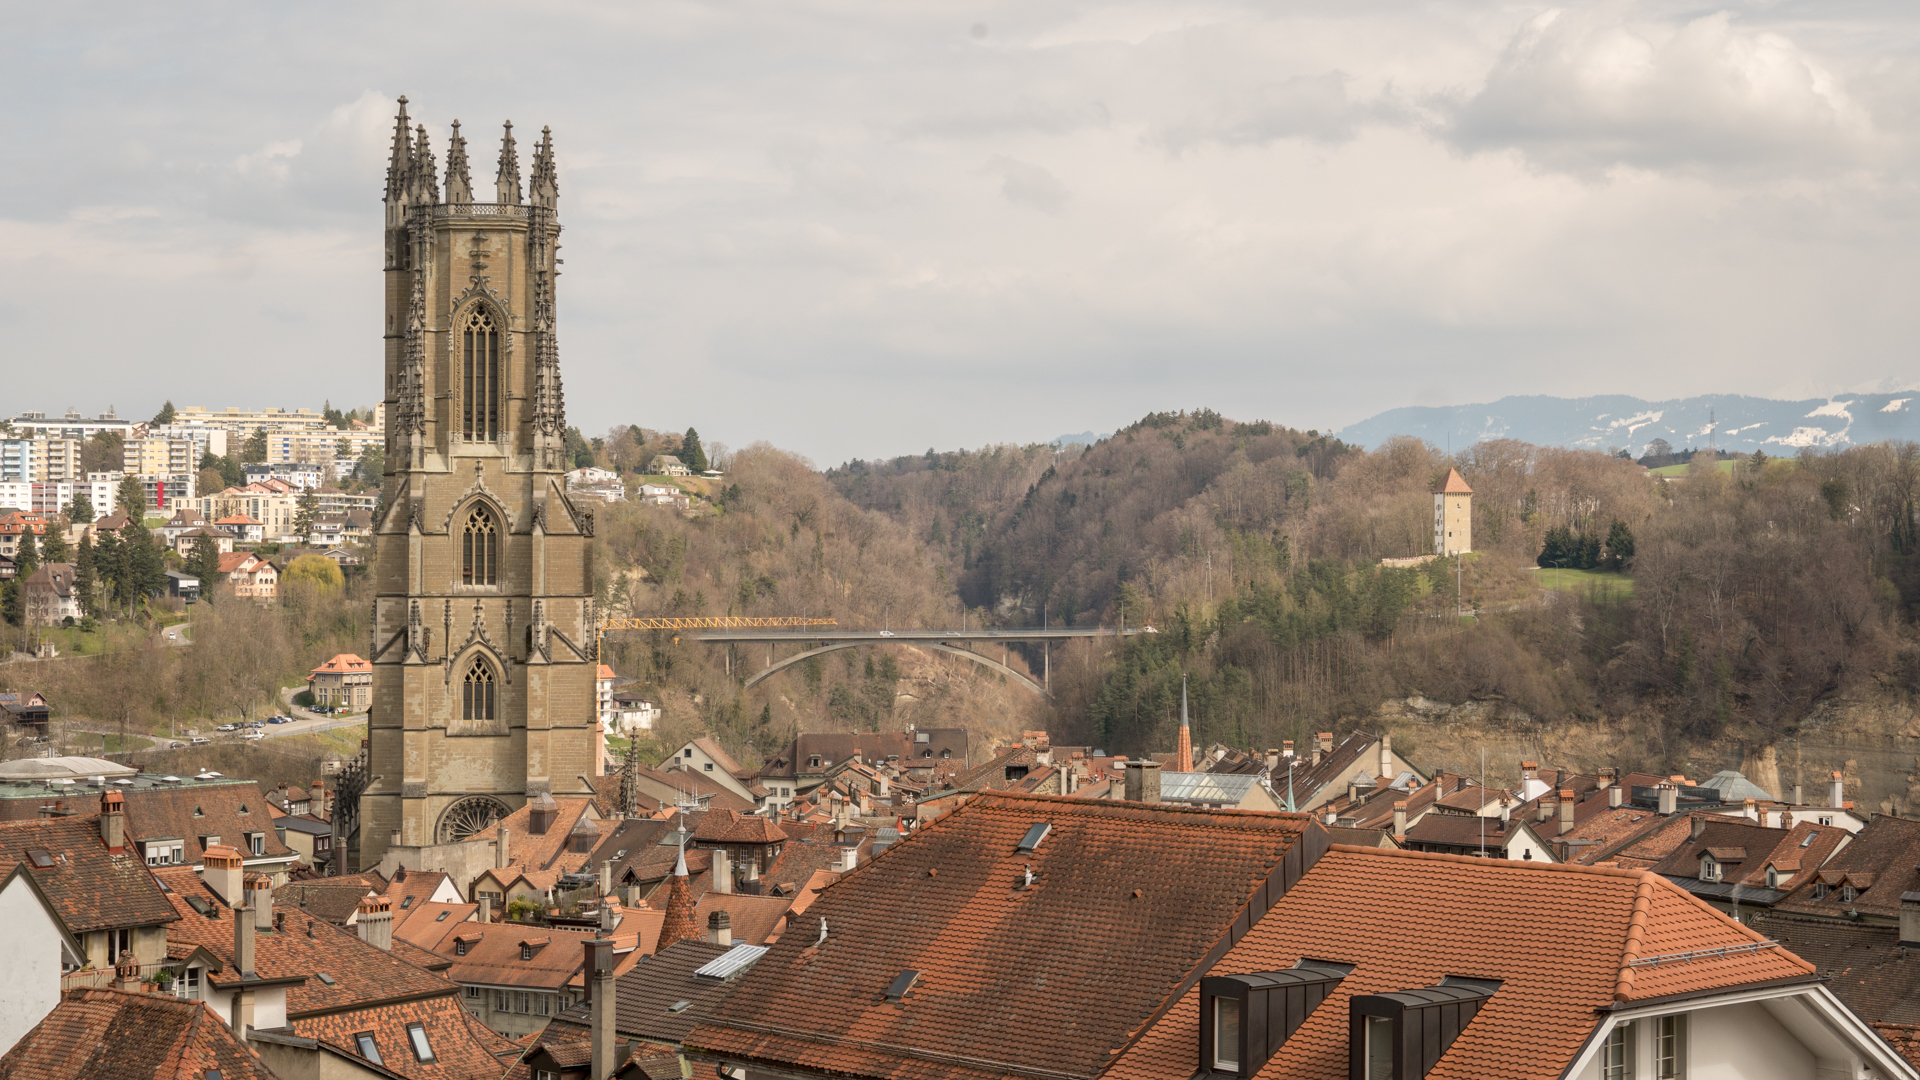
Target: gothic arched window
{"x": 479, "y": 376}
{"x": 476, "y": 697}
{"x": 480, "y": 549}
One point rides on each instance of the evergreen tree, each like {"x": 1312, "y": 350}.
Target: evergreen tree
{"x": 85, "y": 582}
{"x": 1558, "y": 550}
{"x": 305, "y": 507}
{"x": 56, "y": 544}
{"x": 1619, "y": 546}
{"x": 11, "y": 606}
{"x": 255, "y": 448}
{"x": 146, "y": 565}
{"x": 165, "y": 415}
{"x": 130, "y": 498}
{"x": 691, "y": 453}
{"x": 27, "y": 558}
{"x": 110, "y": 564}
{"x": 81, "y": 509}
{"x": 203, "y": 562}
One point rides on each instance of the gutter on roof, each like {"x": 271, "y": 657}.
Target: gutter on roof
{"x": 1690, "y": 995}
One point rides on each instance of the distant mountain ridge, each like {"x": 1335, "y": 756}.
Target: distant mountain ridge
{"x": 1737, "y": 422}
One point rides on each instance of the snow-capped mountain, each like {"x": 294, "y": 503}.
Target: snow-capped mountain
{"x": 1731, "y": 421}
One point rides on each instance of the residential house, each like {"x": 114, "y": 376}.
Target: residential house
{"x": 667, "y": 465}
{"x": 129, "y": 1035}
{"x": 97, "y": 885}
{"x": 109, "y": 523}
{"x": 663, "y": 495}
{"x": 1359, "y": 758}
{"x": 704, "y": 756}
{"x": 352, "y": 527}
{"x": 344, "y": 684}
{"x": 308, "y": 837}
{"x": 1464, "y": 834}
{"x": 273, "y": 503}
{"x": 603, "y": 680}
{"x": 748, "y": 846}
{"x": 29, "y": 709}
{"x": 591, "y": 474}
{"x": 335, "y": 501}
{"x": 48, "y": 595}
{"x": 17, "y": 524}
{"x": 345, "y": 556}
{"x": 361, "y": 991}
{"x": 184, "y": 521}
{"x": 606, "y": 493}
{"x": 1865, "y": 880}
{"x": 940, "y": 952}
{"x": 431, "y": 923}
{"x": 35, "y": 952}
{"x": 805, "y": 762}
{"x": 243, "y": 528}
{"x": 174, "y": 821}
{"x": 631, "y": 713}
{"x": 1742, "y": 867}
{"x": 183, "y": 586}
{"x": 514, "y": 976}
{"x": 536, "y": 846}
{"x": 187, "y": 541}
{"x": 250, "y": 575}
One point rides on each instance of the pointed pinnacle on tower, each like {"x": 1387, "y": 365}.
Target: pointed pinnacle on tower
{"x": 507, "y": 181}
{"x": 425, "y": 175}
{"x": 544, "y": 184}
{"x": 402, "y": 153}
{"x": 459, "y": 179}
{"x": 1185, "y": 752}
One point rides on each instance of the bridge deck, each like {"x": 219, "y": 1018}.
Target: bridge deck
{"x": 1029, "y": 634}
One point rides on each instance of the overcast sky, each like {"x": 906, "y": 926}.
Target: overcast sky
{"x": 862, "y": 229}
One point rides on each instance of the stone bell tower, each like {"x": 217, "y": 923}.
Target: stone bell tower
{"x": 482, "y": 650}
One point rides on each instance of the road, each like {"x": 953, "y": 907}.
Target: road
{"x": 306, "y": 722}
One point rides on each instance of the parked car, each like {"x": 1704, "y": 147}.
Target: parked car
{"x": 254, "y": 734}
{"x": 177, "y": 746}
{"x": 201, "y": 740}
{"x": 228, "y": 727}
{"x": 279, "y": 719}
{"x": 255, "y": 724}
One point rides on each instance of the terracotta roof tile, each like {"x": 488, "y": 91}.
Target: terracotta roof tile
{"x": 462, "y": 1048}
{"x": 732, "y": 827}
{"x": 113, "y": 1033}
{"x": 1883, "y": 859}
{"x": 91, "y": 888}
{"x": 228, "y": 809}
{"x": 428, "y": 923}
{"x": 343, "y": 664}
{"x": 494, "y": 951}
{"x": 1158, "y": 886}
{"x": 1406, "y": 920}
{"x": 1865, "y": 966}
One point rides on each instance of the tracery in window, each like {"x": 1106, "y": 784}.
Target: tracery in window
{"x": 480, "y": 549}
{"x": 477, "y": 694}
{"x": 479, "y": 376}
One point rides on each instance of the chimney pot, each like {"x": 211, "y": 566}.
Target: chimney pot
{"x": 260, "y": 899}
{"x": 1747, "y": 810}
{"x": 220, "y": 869}
{"x": 501, "y": 856}
{"x": 376, "y": 922}
{"x": 113, "y": 822}
{"x": 1143, "y": 781}
{"x": 720, "y": 928}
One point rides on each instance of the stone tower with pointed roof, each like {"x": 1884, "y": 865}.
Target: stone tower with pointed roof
{"x": 1452, "y": 515}
{"x": 483, "y": 622}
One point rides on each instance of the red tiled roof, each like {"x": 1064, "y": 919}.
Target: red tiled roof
{"x": 679, "y": 924}
{"x": 342, "y": 664}
{"x": 494, "y": 951}
{"x": 427, "y": 924}
{"x": 114, "y": 1033}
{"x": 462, "y": 1048}
{"x": 1883, "y": 859}
{"x": 1407, "y": 920}
{"x": 1454, "y": 484}
{"x": 1148, "y": 888}
{"x": 228, "y": 810}
{"x": 90, "y": 888}
{"x": 733, "y": 827}
{"x": 752, "y": 917}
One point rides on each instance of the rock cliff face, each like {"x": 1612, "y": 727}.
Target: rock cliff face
{"x": 1873, "y": 741}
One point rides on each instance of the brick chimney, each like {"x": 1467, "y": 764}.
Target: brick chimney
{"x": 722, "y": 871}
{"x": 501, "y": 856}
{"x": 243, "y": 932}
{"x": 1747, "y": 810}
{"x": 1143, "y": 781}
{"x": 220, "y": 868}
{"x": 1386, "y": 758}
{"x": 1608, "y": 777}
{"x": 1566, "y": 811}
{"x": 113, "y": 821}
{"x": 1400, "y": 819}
{"x": 1836, "y": 793}
{"x": 719, "y": 928}
{"x": 376, "y": 922}
{"x": 1699, "y": 826}
{"x": 603, "y": 999}
{"x": 260, "y": 900}
{"x": 317, "y": 795}
{"x": 126, "y": 975}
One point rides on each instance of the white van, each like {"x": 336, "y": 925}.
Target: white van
{"x": 201, "y": 740}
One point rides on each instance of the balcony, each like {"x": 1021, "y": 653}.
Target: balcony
{"x": 442, "y": 211}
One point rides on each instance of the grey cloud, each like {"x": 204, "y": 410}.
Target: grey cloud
{"x": 1026, "y": 184}
{"x": 1316, "y": 108}
{"x": 1584, "y": 91}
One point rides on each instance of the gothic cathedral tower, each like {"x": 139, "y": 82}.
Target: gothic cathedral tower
{"x": 483, "y": 680}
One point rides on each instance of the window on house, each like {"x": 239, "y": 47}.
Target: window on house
{"x": 541, "y": 1003}
{"x": 257, "y": 843}
{"x": 1379, "y": 1047}
{"x": 459, "y": 948}
{"x": 814, "y": 762}
{"x": 1709, "y": 870}
{"x": 1819, "y": 890}
{"x": 417, "y": 1039}
{"x": 480, "y": 376}
{"x": 502, "y": 1001}
{"x": 709, "y": 766}
{"x": 1670, "y": 1051}
{"x": 118, "y": 941}
{"x": 368, "y": 1049}
{"x": 1847, "y": 893}
{"x": 526, "y": 953}
{"x": 473, "y": 992}
{"x": 524, "y": 1007}
{"x": 1773, "y": 878}
{"x": 1616, "y": 1056}
{"x": 479, "y": 549}
{"x": 1226, "y": 1034}
{"x": 477, "y": 695}
{"x": 188, "y": 984}
{"x": 688, "y": 752}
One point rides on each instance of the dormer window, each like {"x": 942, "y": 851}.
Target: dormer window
{"x": 1401, "y": 1036}
{"x": 526, "y": 952}
{"x": 1847, "y": 893}
{"x": 1230, "y": 1046}
{"x": 1819, "y": 890}
{"x": 1709, "y": 870}
{"x": 1773, "y": 878}
{"x": 1226, "y": 1034}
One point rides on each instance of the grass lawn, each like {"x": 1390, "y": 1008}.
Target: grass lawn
{"x": 1619, "y": 585}
{"x": 1681, "y": 470}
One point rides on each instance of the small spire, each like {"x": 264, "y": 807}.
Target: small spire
{"x": 507, "y": 180}
{"x": 543, "y": 184}
{"x": 459, "y": 179}
{"x": 424, "y": 172}
{"x": 402, "y": 160}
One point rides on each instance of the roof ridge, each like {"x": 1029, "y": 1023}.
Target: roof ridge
{"x": 1504, "y": 864}
{"x": 1636, "y": 934}
{"x": 986, "y": 799}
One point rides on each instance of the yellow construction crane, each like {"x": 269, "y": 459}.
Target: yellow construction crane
{"x": 706, "y": 622}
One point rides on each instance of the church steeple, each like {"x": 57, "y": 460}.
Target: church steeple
{"x": 544, "y": 184}
{"x": 459, "y": 180}
{"x": 425, "y": 174}
{"x": 507, "y": 181}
